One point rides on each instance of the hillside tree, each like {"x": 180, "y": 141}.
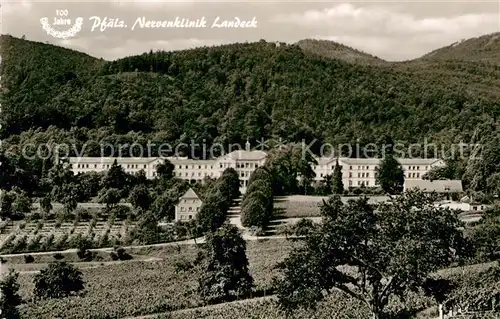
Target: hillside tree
{"x": 371, "y": 253}
{"x": 9, "y": 295}
{"x": 225, "y": 270}
{"x": 337, "y": 184}
{"x": 390, "y": 175}
{"x": 58, "y": 280}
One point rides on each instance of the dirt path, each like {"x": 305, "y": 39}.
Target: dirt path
{"x": 94, "y": 264}
{"x": 109, "y": 249}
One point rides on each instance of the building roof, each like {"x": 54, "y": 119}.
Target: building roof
{"x": 247, "y": 155}
{"x": 190, "y": 194}
{"x": 326, "y": 160}
{"x": 360, "y": 161}
{"x": 420, "y": 161}
{"x": 439, "y": 186}
{"x": 191, "y": 161}
{"x": 110, "y": 160}
{"x": 376, "y": 161}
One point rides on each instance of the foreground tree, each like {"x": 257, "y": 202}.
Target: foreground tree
{"x": 59, "y": 280}
{"x": 371, "y": 254}
{"x": 337, "y": 184}
{"x": 111, "y": 197}
{"x": 390, "y": 175}
{"x": 9, "y": 296}
{"x": 486, "y": 235}
{"x": 46, "y": 204}
{"x": 139, "y": 197}
{"x": 225, "y": 270}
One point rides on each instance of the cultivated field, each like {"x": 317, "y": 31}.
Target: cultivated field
{"x": 155, "y": 283}
{"x": 133, "y": 288}
{"x": 61, "y": 233}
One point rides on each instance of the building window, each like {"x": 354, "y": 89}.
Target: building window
{"x": 145, "y": 166}
{"x": 367, "y": 174}
{"x": 359, "y": 183}
{"x": 182, "y": 209}
{"x": 418, "y": 175}
{"x": 197, "y": 209}
{"x": 350, "y": 174}
{"x": 190, "y": 208}
{"x": 95, "y": 165}
{"x": 190, "y": 216}
{"x": 350, "y": 167}
{"x": 350, "y": 183}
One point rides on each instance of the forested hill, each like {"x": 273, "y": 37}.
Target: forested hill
{"x": 233, "y": 92}
{"x": 481, "y": 49}
{"x": 334, "y": 50}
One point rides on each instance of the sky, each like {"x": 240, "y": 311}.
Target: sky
{"x": 392, "y": 30}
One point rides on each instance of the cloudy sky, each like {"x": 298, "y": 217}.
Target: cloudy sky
{"x": 392, "y": 30}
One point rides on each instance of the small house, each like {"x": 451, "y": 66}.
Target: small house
{"x": 188, "y": 206}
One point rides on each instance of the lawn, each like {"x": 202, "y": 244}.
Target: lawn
{"x": 299, "y": 206}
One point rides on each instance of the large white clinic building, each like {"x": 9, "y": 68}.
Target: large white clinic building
{"x": 193, "y": 170}
{"x": 363, "y": 171}
{"x": 355, "y": 172}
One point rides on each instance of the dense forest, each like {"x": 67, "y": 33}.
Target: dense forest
{"x": 313, "y": 90}
{"x": 233, "y": 92}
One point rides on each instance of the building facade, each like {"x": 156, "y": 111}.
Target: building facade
{"x": 355, "y": 172}
{"x": 363, "y": 171}
{"x": 188, "y": 206}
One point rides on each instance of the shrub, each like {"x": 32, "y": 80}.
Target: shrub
{"x": 58, "y": 256}
{"x": 122, "y": 254}
{"x": 58, "y": 280}
{"x": 28, "y": 259}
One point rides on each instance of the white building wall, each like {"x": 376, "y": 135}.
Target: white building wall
{"x": 355, "y": 172}
{"x": 187, "y": 208}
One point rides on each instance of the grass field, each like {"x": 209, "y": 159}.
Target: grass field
{"x": 299, "y": 206}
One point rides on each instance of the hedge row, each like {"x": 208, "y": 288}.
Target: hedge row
{"x": 257, "y": 204}
{"x": 220, "y": 197}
